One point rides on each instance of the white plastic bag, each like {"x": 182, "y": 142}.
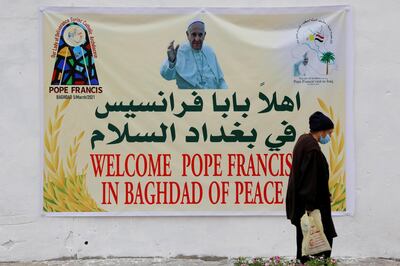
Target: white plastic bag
{"x": 314, "y": 239}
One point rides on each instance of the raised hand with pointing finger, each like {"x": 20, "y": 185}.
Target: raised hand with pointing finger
{"x": 172, "y": 51}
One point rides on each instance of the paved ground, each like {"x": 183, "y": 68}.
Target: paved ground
{"x": 204, "y": 261}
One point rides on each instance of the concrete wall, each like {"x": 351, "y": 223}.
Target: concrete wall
{"x": 26, "y": 235}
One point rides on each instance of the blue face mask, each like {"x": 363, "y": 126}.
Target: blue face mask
{"x": 324, "y": 140}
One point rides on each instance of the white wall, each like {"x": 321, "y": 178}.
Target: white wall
{"x": 26, "y": 235}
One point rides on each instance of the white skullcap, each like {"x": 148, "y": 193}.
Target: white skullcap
{"x": 194, "y": 20}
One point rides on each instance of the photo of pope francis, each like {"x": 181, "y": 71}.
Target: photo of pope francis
{"x": 193, "y": 64}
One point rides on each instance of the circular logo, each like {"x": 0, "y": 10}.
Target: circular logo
{"x": 74, "y": 35}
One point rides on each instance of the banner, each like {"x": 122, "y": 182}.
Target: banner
{"x": 177, "y": 111}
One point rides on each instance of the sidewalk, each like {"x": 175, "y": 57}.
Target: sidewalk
{"x": 203, "y": 261}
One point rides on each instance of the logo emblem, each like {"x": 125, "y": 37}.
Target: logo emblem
{"x": 74, "y": 62}
{"x": 314, "y": 54}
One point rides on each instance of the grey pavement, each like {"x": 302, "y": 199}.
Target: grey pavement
{"x": 199, "y": 261}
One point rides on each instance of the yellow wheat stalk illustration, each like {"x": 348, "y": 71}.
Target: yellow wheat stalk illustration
{"x": 337, "y": 179}
{"x": 64, "y": 190}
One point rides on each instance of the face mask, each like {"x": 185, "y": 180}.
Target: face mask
{"x": 324, "y": 140}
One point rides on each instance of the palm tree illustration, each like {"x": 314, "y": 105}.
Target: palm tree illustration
{"x": 327, "y": 58}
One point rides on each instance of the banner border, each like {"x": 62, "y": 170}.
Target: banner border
{"x": 176, "y": 214}
{"x": 175, "y": 10}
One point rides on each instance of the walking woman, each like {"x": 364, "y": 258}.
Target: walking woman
{"x": 308, "y": 187}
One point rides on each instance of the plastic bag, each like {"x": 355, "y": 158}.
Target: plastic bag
{"x": 314, "y": 239}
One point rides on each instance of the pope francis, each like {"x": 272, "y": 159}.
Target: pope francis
{"x": 193, "y": 64}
